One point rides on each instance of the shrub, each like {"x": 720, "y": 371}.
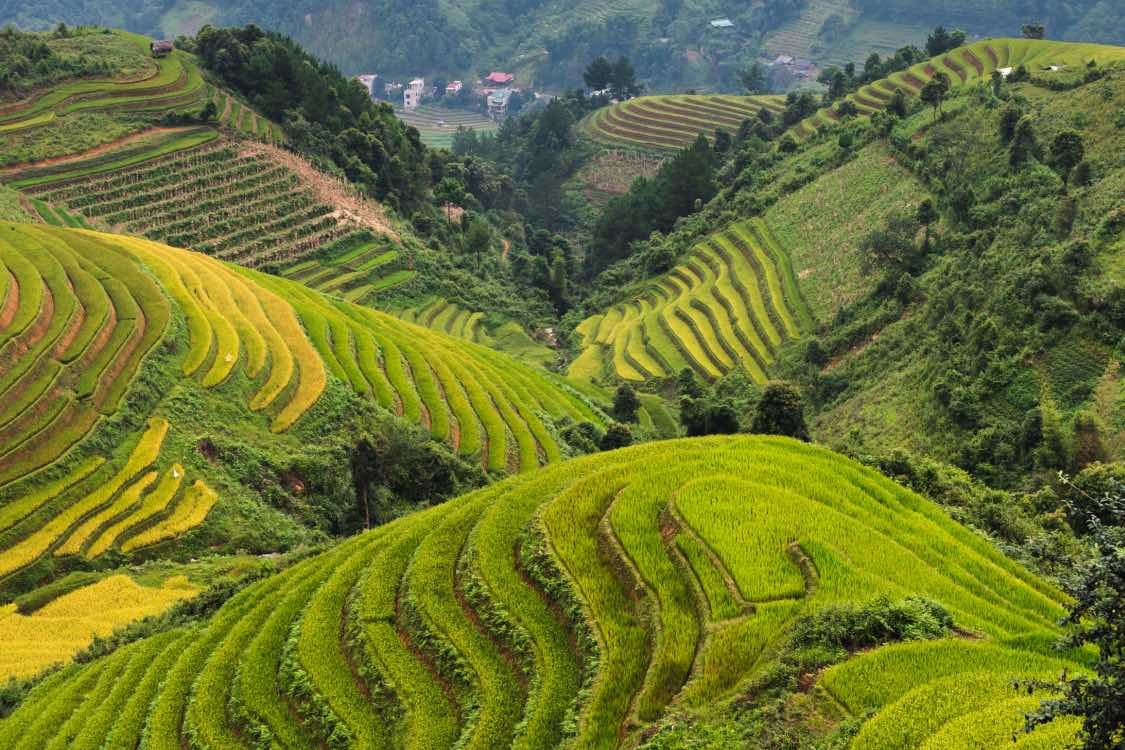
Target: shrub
{"x": 780, "y": 412}
{"x": 616, "y": 436}
{"x": 625, "y": 404}
{"x": 851, "y": 627}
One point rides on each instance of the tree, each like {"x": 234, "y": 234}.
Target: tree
{"x": 598, "y": 74}
{"x": 938, "y": 42}
{"x": 1035, "y": 30}
{"x": 625, "y": 403}
{"x": 405, "y": 464}
{"x": 1009, "y": 119}
{"x": 890, "y": 248}
{"x": 1066, "y": 152}
{"x": 623, "y": 81}
{"x": 1024, "y": 144}
{"x": 1083, "y": 173}
{"x": 478, "y": 239}
{"x": 997, "y": 83}
{"x": 616, "y": 436}
{"x": 1097, "y": 619}
{"x": 926, "y": 215}
{"x": 898, "y": 104}
{"x": 753, "y": 79}
{"x": 780, "y": 411}
{"x": 935, "y": 92}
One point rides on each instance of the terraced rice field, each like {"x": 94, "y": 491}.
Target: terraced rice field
{"x": 967, "y": 65}
{"x": 174, "y": 83}
{"x": 572, "y": 606}
{"x": 438, "y": 124}
{"x": 361, "y": 269}
{"x": 730, "y": 304}
{"x": 57, "y": 631}
{"x": 671, "y": 122}
{"x": 79, "y": 312}
{"x": 800, "y": 36}
{"x": 450, "y": 318}
{"x": 229, "y": 200}
{"x": 241, "y": 118}
{"x": 909, "y": 687}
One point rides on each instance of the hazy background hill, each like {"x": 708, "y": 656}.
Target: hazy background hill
{"x": 548, "y": 42}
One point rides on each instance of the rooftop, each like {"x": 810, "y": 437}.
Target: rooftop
{"x": 499, "y": 77}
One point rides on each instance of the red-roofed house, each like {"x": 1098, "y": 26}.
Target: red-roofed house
{"x": 499, "y": 79}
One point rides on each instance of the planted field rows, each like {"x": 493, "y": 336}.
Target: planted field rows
{"x": 729, "y": 304}
{"x": 437, "y": 125}
{"x": 356, "y": 269}
{"x": 228, "y": 201}
{"x": 673, "y": 122}
{"x": 967, "y": 65}
{"x": 79, "y": 311}
{"x": 36, "y": 640}
{"x": 450, "y": 318}
{"x": 572, "y": 606}
{"x": 241, "y": 118}
{"x": 175, "y": 83}
{"x": 76, "y": 319}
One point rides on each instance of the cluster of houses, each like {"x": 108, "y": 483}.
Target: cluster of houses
{"x": 496, "y": 88}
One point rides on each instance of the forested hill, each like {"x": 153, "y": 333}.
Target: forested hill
{"x": 671, "y": 42}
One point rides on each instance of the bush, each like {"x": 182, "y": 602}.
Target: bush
{"x": 625, "y": 404}
{"x": 780, "y": 412}
{"x": 616, "y": 436}
{"x": 851, "y": 627}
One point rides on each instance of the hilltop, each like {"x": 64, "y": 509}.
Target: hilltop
{"x": 549, "y": 43}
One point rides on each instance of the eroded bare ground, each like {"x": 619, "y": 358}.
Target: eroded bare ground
{"x": 351, "y": 206}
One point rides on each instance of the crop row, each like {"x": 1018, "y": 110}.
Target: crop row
{"x": 966, "y": 65}
{"x": 946, "y": 693}
{"x": 354, "y": 268}
{"x": 729, "y": 304}
{"x": 79, "y": 318}
{"x": 54, "y": 632}
{"x": 574, "y": 605}
{"x": 232, "y": 204}
{"x": 450, "y": 318}
{"x": 673, "y": 122}
{"x": 171, "y": 74}
{"x": 470, "y": 396}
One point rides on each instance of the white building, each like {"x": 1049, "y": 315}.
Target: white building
{"x": 412, "y": 94}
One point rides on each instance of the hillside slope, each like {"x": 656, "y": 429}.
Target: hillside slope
{"x": 554, "y": 40}
{"x": 576, "y": 605}
{"x": 119, "y": 356}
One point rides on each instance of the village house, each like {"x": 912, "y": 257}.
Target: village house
{"x": 722, "y": 23}
{"x": 412, "y": 94}
{"x": 497, "y": 78}
{"x": 498, "y": 103}
{"x": 161, "y": 47}
{"x": 453, "y": 88}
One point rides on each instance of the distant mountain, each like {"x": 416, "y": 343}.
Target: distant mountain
{"x": 671, "y": 42}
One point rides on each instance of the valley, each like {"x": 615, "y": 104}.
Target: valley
{"x": 636, "y": 418}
